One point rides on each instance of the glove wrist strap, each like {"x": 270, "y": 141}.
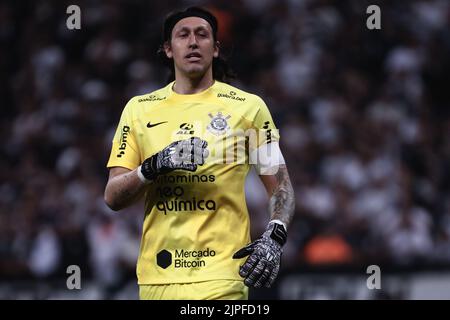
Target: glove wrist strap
{"x": 141, "y": 176}
{"x": 147, "y": 171}
{"x": 278, "y": 232}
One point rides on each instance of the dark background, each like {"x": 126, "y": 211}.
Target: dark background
{"x": 363, "y": 117}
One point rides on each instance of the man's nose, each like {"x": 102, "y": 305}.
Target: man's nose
{"x": 192, "y": 41}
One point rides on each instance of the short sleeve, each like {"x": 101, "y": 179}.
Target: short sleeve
{"x": 125, "y": 151}
{"x": 264, "y": 149}
{"x": 265, "y": 129}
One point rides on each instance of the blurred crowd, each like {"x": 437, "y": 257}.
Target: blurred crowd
{"x": 363, "y": 117}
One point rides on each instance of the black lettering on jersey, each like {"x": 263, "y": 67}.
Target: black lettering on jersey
{"x": 186, "y": 205}
{"x": 123, "y": 141}
{"x": 192, "y": 258}
{"x": 188, "y": 178}
{"x": 194, "y": 253}
{"x": 268, "y": 132}
{"x": 151, "y": 98}
{"x": 231, "y": 95}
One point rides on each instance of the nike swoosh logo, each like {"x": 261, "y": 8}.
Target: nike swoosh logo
{"x": 149, "y": 125}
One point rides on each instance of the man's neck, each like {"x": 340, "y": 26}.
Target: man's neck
{"x": 185, "y": 85}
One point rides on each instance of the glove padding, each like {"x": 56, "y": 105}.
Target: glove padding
{"x": 262, "y": 266}
{"x": 183, "y": 154}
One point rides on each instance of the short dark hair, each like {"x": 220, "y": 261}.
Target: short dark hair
{"x": 221, "y": 70}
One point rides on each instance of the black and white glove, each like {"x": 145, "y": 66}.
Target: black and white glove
{"x": 183, "y": 154}
{"x": 262, "y": 266}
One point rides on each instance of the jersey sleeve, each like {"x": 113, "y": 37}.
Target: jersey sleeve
{"x": 264, "y": 149}
{"x": 264, "y": 125}
{"x": 125, "y": 151}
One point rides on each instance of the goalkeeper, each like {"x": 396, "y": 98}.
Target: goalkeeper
{"x": 196, "y": 230}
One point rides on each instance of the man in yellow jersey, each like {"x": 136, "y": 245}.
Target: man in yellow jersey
{"x": 187, "y": 148}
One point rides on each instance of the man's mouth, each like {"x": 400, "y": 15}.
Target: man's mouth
{"x": 193, "y": 56}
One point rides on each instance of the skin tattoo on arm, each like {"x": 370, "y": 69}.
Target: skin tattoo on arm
{"x": 282, "y": 201}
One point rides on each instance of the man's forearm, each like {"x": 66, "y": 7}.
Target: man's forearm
{"x": 282, "y": 201}
{"x": 264, "y": 254}
{"x": 124, "y": 189}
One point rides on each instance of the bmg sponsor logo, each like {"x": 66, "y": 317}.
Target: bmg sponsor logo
{"x": 268, "y": 132}
{"x": 123, "y": 141}
{"x": 184, "y": 258}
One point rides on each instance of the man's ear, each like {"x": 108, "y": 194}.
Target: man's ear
{"x": 168, "y": 50}
{"x": 216, "y": 49}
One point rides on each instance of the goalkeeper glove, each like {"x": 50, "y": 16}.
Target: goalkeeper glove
{"x": 262, "y": 266}
{"x": 182, "y": 154}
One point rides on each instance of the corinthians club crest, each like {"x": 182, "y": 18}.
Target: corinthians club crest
{"x": 218, "y": 125}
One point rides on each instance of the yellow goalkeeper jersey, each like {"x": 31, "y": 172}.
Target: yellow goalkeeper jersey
{"x": 194, "y": 221}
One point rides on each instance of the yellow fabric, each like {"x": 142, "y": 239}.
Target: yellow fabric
{"x": 194, "y": 221}
{"x": 206, "y": 290}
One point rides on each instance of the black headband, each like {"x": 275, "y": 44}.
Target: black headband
{"x": 172, "y": 20}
